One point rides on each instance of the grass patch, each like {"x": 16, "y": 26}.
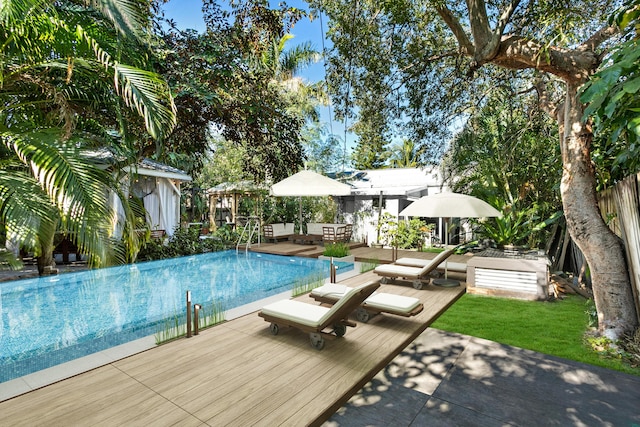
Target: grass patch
{"x": 307, "y": 284}
{"x": 369, "y": 265}
{"x": 556, "y": 328}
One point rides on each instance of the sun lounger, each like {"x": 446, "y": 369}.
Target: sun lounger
{"x": 458, "y": 267}
{"x": 418, "y": 275}
{"x": 317, "y": 319}
{"x": 378, "y": 302}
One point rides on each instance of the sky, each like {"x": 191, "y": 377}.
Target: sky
{"x": 188, "y": 15}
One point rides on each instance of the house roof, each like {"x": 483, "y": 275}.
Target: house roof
{"x": 237, "y": 187}
{"x": 394, "y": 182}
{"x": 150, "y": 167}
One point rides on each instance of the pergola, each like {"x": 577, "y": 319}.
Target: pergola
{"x": 225, "y": 198}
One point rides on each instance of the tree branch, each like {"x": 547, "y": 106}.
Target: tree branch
{"x": 466, "y": 47}
{"x": 599, "y": 37}
{"x": 505, "y": 18}
{"x": 570, "y": 65}
{"x": 480, "y": 28}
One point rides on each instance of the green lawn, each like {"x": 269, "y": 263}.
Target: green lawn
{"x": 555, "y": 328}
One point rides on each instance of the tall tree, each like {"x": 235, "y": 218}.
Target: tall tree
{"x": 226, "y": 84}
{"x": 429, "y": 58}
{"x": 404, "y": 155}
{"x": 506, "y": 155}
{"x": 71, "y": 75}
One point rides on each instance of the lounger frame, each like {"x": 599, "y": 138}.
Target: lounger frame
{"x": 418, "y": 276}
{"x": 365, "y": 312}
{"x": 334, "y": 326}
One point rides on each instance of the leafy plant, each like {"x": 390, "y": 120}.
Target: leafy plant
{"x": 336, "y": 250}
{"x": 514, "y": 227}
{"x": 403, "y": 234}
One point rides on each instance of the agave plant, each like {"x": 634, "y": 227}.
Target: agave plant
{"x": 71, "y": 77}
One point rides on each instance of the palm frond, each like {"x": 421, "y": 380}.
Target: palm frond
{"x": 74, "y": 186}
{"x": 129, "y": 17}
{"x": 147, "y": 93}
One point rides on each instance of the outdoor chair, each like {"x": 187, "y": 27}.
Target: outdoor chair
{"x": 329, "y": 235}
{"x": 418, "y": 275}
{"x": 320, "y": 322}
{"x": 348, "y": 230}
{"x": 378, "y": 302}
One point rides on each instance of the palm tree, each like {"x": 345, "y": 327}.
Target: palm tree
{"x": 405, "y": 155}
{"x": 71, "y": 80}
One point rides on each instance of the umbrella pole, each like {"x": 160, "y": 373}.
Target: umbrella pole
{"x": 446, "y": 281}
{"x": 300, "y": 213}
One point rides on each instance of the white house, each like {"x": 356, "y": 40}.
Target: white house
{"x": 377, "y": 191}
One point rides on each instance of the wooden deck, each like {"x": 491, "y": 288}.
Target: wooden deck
{"x": 236, "y": 373}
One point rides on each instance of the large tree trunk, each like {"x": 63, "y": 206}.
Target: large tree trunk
{"x": 602, "y": 249}
{"x": 45, "y": 253}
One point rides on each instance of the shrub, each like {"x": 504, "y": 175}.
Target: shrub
{"x": 336, "y": 250}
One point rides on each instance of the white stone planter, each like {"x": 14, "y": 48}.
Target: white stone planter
{"x": 348, "y": 258}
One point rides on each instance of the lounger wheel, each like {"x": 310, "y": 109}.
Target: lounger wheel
{"x": 417, "y": 284}
{"x": 362, "y": 315}
{"x": 384, "y": 280}
{"x": 317, "y": 341}
{"x": 274, "y": 328}
{"x": 339, "y": 330}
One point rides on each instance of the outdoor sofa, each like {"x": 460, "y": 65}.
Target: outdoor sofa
{"x": 278, "y": 231}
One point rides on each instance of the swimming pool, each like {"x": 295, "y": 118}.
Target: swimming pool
{"x": 50, "y": 320}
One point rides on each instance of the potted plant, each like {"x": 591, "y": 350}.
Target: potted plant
{"x": 338, "y": 251}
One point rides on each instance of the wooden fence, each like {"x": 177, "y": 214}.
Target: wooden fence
{"x": 620, "y": 207}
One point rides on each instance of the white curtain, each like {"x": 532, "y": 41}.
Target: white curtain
{"x": 163, "y": 206}
{"x": 117, "y": 215}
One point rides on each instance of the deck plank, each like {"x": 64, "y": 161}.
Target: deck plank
{"x": 235, "y": 373}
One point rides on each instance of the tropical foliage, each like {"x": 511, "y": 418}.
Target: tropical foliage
{"x": 408, "y": 68}
{"x": 506, "y": 155}
{"x": 614, "y": 104}
{"x": 72, "y": 79}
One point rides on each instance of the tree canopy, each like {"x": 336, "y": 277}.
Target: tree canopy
{"x": 411, "y": 66}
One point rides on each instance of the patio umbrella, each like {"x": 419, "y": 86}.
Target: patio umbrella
{"x": 309, "y": 183}
{"x": 450, "y": 205}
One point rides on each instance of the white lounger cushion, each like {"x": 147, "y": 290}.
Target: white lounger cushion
{"x": 398, "y": 270}
{"x": 297, "y": 311}
{"x": 309, "y": 314}
{"x": 419, "y": 262}
{"x": 378, "y": 300}
{"x": 392, "y": 303}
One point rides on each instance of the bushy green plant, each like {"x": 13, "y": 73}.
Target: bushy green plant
{"x": 515, "y": 227}
{"x": 336, "y": 250}
{"x": 187, "y": 241}
{"x": 403, "y": 234}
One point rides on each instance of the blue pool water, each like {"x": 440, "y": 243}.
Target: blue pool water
{"x": 50, "y": 320}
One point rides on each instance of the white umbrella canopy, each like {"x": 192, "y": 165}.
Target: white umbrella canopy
{"x": 309, "y": 183}
{"x": 450, "y": 205}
